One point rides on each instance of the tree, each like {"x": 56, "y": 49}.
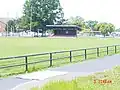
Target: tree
{"x": 11, "y": 26}
{"x": 111, "y": 28}
{"x": 117, "y": 30}
{"x": 91, "y": 24}
{"x": 41, "y": 12}
{"x": 79, "y": 21}
{"x": 105, "y": 28}
{"x": 23, "y": 23}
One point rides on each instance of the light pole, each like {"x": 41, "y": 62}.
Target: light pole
{"x": 7, "y": 24}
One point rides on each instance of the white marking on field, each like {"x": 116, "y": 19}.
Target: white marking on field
{"x": 41, "y": 75}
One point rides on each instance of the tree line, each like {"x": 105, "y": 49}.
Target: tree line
{"x": 91, "y": 25}
{"x": 39, "y": 13}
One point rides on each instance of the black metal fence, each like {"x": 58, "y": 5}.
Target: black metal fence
{"x": 85, "y": 52}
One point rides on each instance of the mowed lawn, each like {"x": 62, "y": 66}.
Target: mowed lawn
{"x": 21, "y": 46}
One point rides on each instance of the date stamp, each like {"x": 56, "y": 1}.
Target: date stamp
{"x": 103, "y": 81}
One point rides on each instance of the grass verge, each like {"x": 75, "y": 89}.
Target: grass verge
{"x": 108, "y": 80}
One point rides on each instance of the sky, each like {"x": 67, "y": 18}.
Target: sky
{"x": 100, "y": 10}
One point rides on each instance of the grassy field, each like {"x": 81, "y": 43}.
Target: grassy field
{"x": 91, "y": 82}
{"x": 22, "y": 46}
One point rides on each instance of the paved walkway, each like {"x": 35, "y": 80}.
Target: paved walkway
{"x": 72, "y": 71}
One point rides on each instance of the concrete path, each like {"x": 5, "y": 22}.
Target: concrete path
{"x": 8, "y": 83}
{"x": 73, "y": 70}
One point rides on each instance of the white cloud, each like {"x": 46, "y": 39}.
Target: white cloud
{"x": 101, "y": 10}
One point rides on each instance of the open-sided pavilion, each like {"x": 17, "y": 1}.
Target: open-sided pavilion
{"x": 64, "y": 30}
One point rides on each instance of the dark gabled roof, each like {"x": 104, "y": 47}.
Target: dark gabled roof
{"x": 63, "y": 26}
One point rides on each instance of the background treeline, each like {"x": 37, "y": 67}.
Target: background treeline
{"x": 39, "y": 13}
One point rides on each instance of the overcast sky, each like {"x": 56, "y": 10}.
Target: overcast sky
{"x": 101, "y": 10}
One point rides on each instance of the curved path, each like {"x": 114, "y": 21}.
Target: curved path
{"x": 70, "y": 71}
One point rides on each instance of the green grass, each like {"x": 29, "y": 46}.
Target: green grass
{"x": 112, "y": 78}
{"x": 23, "y": 46}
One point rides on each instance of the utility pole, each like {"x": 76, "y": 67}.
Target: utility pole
{"x": 16, "y": 21}
{"x": 30, "y": 15}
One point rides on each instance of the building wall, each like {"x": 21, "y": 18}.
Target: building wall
{"x": 2, "y": 26}
{"x": 65, "y": 32}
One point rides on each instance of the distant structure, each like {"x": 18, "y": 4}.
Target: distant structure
{"x": 115, "y": 34}
{"x": 90, "y": 33}
{"x": 3, "y": 23}
{"x": 64, "y": 30}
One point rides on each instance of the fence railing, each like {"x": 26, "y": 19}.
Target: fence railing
{"x": 51, "y": 59}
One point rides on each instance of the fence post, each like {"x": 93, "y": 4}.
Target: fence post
{"x": 107, "y": 50}
{"x": 26, "y": 63}
{"x": 85, "y": 54}
{"x": 50, "y": 59}
{"x": 97, "y": 52}
{"x": 115, "y": 49}
{"x": 70, "y": 56}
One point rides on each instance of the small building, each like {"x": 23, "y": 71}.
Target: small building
{"x": 2, "y": 26}
{"x": 91, "y": 33}
{"x": 3, "y": 23}
{"x": 115, "y": 34}
{"x": 64, "y": 30}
